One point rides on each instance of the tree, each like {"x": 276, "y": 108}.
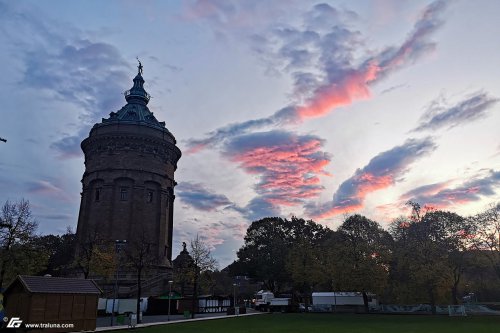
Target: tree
{"x": 487, "y": 236}
{"x": 268, "y": 243}
{"x": 361, "y": 253}
{"x": 202, "y": 262}
{"x": 59, "y": 249}
{"x": 305, "y": 265}
{"x": 430, "y": 253}
{"x": 17, "y": 230}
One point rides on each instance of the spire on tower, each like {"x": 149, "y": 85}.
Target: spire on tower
{"x": 137, "y": 94}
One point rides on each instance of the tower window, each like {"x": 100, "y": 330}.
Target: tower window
{"x": 123, "y": 194}
{"x": 149, "y": 197}
{"x": 97, "y": 194}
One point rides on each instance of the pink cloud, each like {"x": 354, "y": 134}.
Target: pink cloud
{"x": 354, "y": 86}
{"x": 289, "y": 165}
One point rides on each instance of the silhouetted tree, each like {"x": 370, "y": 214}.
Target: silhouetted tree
{"x": 487, "y": 236}
{"x": 362, "y": 250}
{"x": 268, "y": 243}
{"x": 17, "y": 250}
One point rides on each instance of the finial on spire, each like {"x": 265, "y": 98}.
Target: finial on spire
{"x": 139, "y": 68}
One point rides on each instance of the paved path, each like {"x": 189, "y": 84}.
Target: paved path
{"x": 103, "y": 323}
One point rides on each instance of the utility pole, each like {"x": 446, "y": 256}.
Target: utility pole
{"x": 118, "y": 247}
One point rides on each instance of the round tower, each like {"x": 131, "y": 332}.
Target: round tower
{"x": 128, "y": 183}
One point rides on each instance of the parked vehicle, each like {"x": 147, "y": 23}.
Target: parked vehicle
{"x": 345, "y": 301}
{"x": 265, "y": 301}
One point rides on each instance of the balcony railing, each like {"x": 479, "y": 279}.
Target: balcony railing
{"x": 141, "y": 94}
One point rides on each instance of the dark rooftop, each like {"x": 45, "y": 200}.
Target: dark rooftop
{"x": 57, "y": 285}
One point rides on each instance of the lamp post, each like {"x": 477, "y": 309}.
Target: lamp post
{"x": 169, "y": 297}
{"x": 234, "y": 296}
{"x": 334, "y": 298}
{"x": 118, "y": 245}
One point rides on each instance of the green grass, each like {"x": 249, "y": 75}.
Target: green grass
{"x": 319, "y": 323}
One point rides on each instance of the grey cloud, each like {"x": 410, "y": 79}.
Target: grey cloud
{"x": 424, "y": 190}
{"x": 197, "y": 196}
{"x": 69, "y": 146}
{"x": 58, "y": 60}
{"x": 440, "y": 115}
{"x": 259, "y": 208}
{"x": 58, "y": 217}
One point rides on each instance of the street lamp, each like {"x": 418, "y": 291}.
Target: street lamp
{"x": 118, "y": 246}
{"x": 234, "y": 297}
{"x": 334, "y": 297}
{"x": 169, "y": 297}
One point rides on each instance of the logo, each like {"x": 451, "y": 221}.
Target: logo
{"x": 14, "y": 322}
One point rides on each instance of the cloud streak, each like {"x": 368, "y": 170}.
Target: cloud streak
{"x": 331, "y": 78}
{"x": 48, "y": 189}
{"x": 440, "y": 115}
{"x": 442, "y": 195}
{"x": 383, "y": 171}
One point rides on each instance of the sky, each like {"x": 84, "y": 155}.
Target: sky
{"x": 316, "y": 109}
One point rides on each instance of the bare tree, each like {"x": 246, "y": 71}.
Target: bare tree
{"x": 203, "y": 262}
{"x": 17, "y": 228}
{"x": 141, "y": 257}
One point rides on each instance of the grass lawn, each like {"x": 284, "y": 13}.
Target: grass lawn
{"x": 318, "y": 323}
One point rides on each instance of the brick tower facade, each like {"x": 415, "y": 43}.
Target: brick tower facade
{"x": 128, "y": 183}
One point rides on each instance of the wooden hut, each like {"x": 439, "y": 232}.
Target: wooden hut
{"x": 60, "y": 304}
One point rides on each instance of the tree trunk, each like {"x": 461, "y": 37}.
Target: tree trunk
{"x": 138, "y": 307}
{"x": 432, "y": 300}
{"x": 6, "y": 253}
{"x": 195, "y": 294}
{"x": 454, "y": 293}
{"x": 2, "y": 273}
{"x": 454, "y": 288}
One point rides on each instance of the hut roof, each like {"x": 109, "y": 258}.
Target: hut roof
{"x": 56, "y": 285}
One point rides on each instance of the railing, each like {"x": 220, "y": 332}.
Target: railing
{"x": 142, "y": 94}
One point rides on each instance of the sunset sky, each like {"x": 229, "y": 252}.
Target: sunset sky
{"x": 281, "y": 108}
